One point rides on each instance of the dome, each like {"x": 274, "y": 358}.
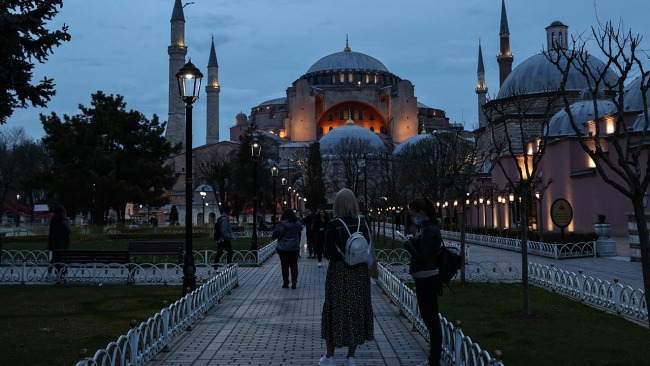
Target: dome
{"x": 275, "y": 101}
{"x": 241, "y": 115}
{"x": 349, "y": 61}
{"x": 411, "y": 141}
{"x": 640, "y": 123}
{"x": 538, "y": 75}
{"x": 331, "y": 139}
{"x": 582, "y": 111}
{"x": 634, "y": 97}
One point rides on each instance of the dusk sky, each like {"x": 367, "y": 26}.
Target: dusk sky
{"x": 120, "y": 47}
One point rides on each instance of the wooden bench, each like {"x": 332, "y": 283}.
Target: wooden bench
{"x": 172, "y": 249}
{"x": 91, "y": 256}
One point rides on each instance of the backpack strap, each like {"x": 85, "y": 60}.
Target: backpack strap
{"x": 349, "y": 234}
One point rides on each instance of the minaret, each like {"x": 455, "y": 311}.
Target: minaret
{"x": 212, "y": 90}
{"x": 175, "y": 132}
{"x": 481, "y": 88}
{"x": 504, "y": 58}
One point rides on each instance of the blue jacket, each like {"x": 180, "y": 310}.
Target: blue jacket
{"x": 288, "y": 235}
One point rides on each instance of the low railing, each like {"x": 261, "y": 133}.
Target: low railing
{"x": 549, "y": 250}
{"x": 613, "y": 297}
{"x": 24, "y": 267}
{"x": 143, "y": 342}
{"x": 389, "y": 232}
{"x": 457, "y": 348}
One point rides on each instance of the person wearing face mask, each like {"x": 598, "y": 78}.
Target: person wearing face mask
{"x": 424, "y": 248}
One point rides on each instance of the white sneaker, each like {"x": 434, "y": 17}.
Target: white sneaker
{"x": 350, "y": 362}
{"x": 326, "y": 361}
{"x": 320, "y": 264}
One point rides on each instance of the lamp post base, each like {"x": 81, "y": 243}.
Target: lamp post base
{"x": 189, "y": 275}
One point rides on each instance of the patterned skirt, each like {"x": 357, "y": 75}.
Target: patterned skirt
{"x": 347, "y": 312}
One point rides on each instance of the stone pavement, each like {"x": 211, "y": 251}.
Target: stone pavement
{"x": 261, "y": 323}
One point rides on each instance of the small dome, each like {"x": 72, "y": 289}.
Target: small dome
{"x": 634, "y": 97}
{"x": 411, "y": 141}
{"x": 538, "y": 75}
{"x": 582, "y": 111}
{"x": 241, "y": 115}
{"x": 640, "y": 123}
{"x": 557, "y": 23}
{"x": 330, "y": 140}
{"x": 348, "y": 61}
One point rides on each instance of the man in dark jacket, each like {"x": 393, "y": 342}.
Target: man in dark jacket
{"x": 307, "y": 222}
{"x": 226, "y": 237}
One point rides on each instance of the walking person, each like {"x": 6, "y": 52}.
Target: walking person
{"x": 307, "y": 223}
{"x": 58, "y": 237}
{"x": 288, "y": 232}
{"x": 226, "y": 236}
{"x": 424, "y": 248}
{"x": 347, "y": 319}
{"x": 318, "y": 228}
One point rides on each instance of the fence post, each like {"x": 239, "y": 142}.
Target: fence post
{"x": 498, "y": 359}
{"x": 458, "y": 340}
{"x": 618, "y": 288}
{"x": 581, "y": 282}
{"x": 188, "y": 309}
{"x": 83, "y": 357}
{"x": 133, "y": 342}
{"x": 551, "y": 272}
{"x": 24, "y": 273}
{"x": 164, "y": 315}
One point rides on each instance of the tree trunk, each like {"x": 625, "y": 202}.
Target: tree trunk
{"x": 644, "y": 241}
{"x": 523, "y": 223}
{"x": 463, "y": 229}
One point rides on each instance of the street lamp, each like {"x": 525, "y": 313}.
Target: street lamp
{"x": 274, "y": 174}
{"x": 290, "y": 197}
{"x": 17, "y": 210}
{"x": 189, "y": 85}
{"x": 203, "y": 193}
{"x": 256, "y": 149}
{"x": 283, "y": 181}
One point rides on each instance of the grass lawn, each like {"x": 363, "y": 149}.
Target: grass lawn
{"x": 48, "y": 325}
{"x": 561, "y": 332}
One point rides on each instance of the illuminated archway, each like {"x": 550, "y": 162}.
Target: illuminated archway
{"x": 364, "y": 115}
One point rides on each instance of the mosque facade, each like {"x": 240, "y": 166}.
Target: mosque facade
{"x": 575, "y": 177}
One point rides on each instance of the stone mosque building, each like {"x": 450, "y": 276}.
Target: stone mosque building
{"x": 574, "y": 174}
{"x": 344, "y": 89}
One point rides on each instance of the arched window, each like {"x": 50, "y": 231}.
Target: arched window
{"x": 342, "y": 77}
{"x": 376, "y": 78}
{"x": 330, "y": 128}
{"x": 372, "y": 128}
{"x": 382, "y": 129}
{"x": 360, "y": 115}
{"x": 199, "y": 218}
{"x": 372, "y": 117}
{"x": 212, "y": 217}
{"x": 341, "y": 115}
{"x": 368, "y": 78}
{"x": 552, "y": 38}
{"x": 320, "y": 130}
{"x": 333, "y": 79}
{"x": 350, "y": 77}
{"x": 560, "y": 37}
{"x": 330, "y": 117}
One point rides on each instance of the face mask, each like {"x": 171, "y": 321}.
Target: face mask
{"x": 417, "y": 221}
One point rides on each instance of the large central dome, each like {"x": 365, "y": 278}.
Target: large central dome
{"x": 347, "y": 60}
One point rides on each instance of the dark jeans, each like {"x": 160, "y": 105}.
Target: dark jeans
{"x": 221, "y": 246}
{"x": 320, "y": 243}
{"x": 289, "y": 260}
{"x": 310, "y": 242}
{"x": 426, "y": 290}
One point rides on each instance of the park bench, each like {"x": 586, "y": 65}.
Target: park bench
{"x": 151, "y": 250}
{"x": 76, "y": 257}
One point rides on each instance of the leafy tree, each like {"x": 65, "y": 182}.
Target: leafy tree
{"x": 107, "y": 156}
{"x": 621, "y": 155}
{"x": 24, "y": 39}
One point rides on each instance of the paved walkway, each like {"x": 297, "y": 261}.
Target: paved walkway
{"x": 261, "y": 323}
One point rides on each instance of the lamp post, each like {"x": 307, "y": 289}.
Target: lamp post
{"x": 274, "y": 174}
{"x": 189, "y": 86}
{"x": 256, "y": 149}
{"x": 283, "y": 181}
{"x": 203, "y": 194}
{"x": 290, "y": 196}
{"x": 540, "y": 225}
{"x": 17, "y": 210}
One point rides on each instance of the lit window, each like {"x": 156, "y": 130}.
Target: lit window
{"x": 376, "y": 78}
{"x": 367, "y": 78}
{"x": 333, "y": 79}
{"x": 330, "y": 128}
{"x": 350, "y": 78}
{"x": 342, "y": 77}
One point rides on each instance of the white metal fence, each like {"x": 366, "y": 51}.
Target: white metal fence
{"x": 143, "y": 342}
{"x": 457, "y": 348}
{"x": 549, "y": 250}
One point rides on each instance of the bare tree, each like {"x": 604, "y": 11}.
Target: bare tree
{"x": 513, "y": 124}
{"x": 621, "y": 154}
{"x": 346, "y": 163}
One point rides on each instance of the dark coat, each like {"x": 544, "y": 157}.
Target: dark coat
{"x": 424, "y": 248}
{"x": 59, "y": 236}
{"x": 288, "y": 235}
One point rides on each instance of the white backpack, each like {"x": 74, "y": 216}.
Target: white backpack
{"x": 356, "y": 247}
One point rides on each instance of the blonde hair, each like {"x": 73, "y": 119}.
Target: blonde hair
{"x": 345, "y": 204}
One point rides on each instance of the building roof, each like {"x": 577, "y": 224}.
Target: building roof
{"x": 423, "y": 136}
{"x": 212, "y": 61}
{"x": 329, "y": 142}
{"x": 423, "y": 106}
{"x": 634, "y": 97}
{"x": 275, "y": 101}
{"x": 538, "y": 75}
{"x": 347, "y": 61}
{"x": 582, "y": 111}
